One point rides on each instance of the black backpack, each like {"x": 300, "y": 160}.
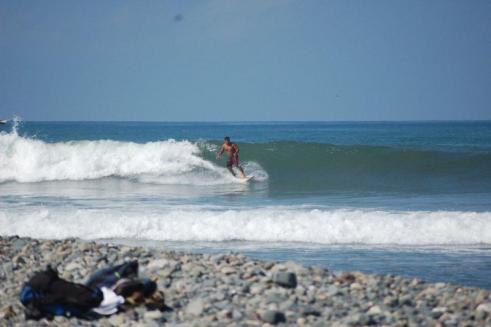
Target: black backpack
{"x": 47, "y": 295}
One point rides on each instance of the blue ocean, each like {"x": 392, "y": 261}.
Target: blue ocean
{"x": 406, "y": 198}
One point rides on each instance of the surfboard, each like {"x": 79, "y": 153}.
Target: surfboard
{"x": 245, "y": 179}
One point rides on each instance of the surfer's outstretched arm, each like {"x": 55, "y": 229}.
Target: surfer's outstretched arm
{"x": 220, "y": 152}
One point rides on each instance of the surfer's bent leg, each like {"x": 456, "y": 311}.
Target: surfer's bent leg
{"x": 237, "y": 164}
{"x": 230, "y": 163}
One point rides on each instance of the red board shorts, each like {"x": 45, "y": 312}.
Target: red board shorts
{"x": 234, "y": 161}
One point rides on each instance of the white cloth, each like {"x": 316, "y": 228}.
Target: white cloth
{"x": 109, "y": 304}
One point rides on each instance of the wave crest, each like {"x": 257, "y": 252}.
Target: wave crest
{"x": 166, "y": 162}
{"x": 273, "y": 224}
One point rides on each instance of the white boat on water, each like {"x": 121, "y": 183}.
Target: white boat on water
{"x": 3, "y": 122}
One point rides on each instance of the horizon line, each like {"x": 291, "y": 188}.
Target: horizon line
{"x": 256, "y": 121}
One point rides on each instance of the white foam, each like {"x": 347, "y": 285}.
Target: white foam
{"x": 166, "y": 162}
{"x": 275, "y": 224}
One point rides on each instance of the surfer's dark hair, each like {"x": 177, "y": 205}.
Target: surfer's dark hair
{"x": 226, "y": 138}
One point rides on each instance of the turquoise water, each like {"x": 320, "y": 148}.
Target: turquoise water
{"x": 415, "y": 198}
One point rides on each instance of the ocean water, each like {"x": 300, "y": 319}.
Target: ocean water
{"x": 381, "y": 197}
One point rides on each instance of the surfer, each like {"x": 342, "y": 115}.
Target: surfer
{"x": 232, "y": 150}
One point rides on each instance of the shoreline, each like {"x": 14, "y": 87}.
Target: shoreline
{"x": 232, "y": 289}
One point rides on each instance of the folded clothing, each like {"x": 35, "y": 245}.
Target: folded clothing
{"x": 110, "y": 303}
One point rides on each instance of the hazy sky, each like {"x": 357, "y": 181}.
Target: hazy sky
{"x": 245, "y": 60}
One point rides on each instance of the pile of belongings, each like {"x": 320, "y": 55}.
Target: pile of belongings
{"x": 106, "y": 292}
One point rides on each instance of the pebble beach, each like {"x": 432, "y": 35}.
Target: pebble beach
{"x": 232, "y": 289}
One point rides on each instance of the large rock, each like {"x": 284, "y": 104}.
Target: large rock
{"x": 19, "y": 243}
{"x": 484, "y": 307}
{"x": 157, "y": 264}
{"x": 273, "y": 317}
{"x": 374, "y": 310}
{"x": 227, "y": 270}
{"x": 285, "y": 279}
{"x": 195, "y": 307}
{"x": 358, "y": 319}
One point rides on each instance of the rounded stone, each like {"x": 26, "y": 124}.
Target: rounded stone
{"x": 285, "y": 279}
{"x": 273, "y": 317}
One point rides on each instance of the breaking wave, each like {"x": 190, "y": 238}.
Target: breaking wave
{"x": 25, "y": 159}
{"x": 272, "y": 224}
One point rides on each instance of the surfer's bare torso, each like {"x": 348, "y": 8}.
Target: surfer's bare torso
{"x": 231, "y": 150}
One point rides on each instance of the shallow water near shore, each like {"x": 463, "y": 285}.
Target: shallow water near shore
{"x": 412, "y": 199}
{"x": 463, "y": 265}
